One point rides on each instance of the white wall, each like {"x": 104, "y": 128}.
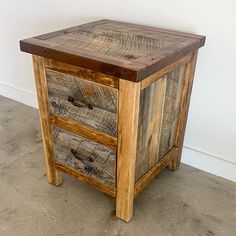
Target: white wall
{"x": 210, "y": 142}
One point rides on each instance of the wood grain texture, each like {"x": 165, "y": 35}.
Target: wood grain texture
{"x": 85, "y": 102}
{"x": 84, "y": 131}
{"x": 184, "y": 106}
{"x": 150, "y": 121}
{"x": 129, "y": 98}
{"x": 155, "y": 170}
{"x": 85, "y": 156}
{"x": 158, "y": 116}
{"x": 159, "y": 74}
{"x": 87, "y": 179}
{"x": 54, "y": 177}
{"x": 174, "y": 82}
{"x": 123, "y": 50}
{"x": 82, "y": 73}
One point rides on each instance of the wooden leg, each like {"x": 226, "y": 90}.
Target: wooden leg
{"x": 129, "y": 97}
{"x": 54, "y": 177}
{"x": 185, "y": 100}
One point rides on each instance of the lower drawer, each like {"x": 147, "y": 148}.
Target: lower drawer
{"x": 85, "y": 156}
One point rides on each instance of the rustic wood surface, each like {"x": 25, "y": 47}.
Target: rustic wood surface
{"x": 150, "y": 121}
{"x": 184, "y": 106}
{"x": 174, "y": 81}
{"x": 82, "y": 73}
{"x": 128, "y": 51}
{"x": 158, "y": 75}
{"x": 158, "y": 116}
{"x": 54, "y": 177}
{"x": 85, "y": 102}
{"x": 111, "y": 191}
{"x": 155, "y": 170}
{"x": 129, "y": 98}
{"x": 85, "y": 156}
{"x": 84, "y": 131}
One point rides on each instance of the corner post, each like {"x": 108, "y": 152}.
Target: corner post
{"x": 54, "y": 176}
{"x": 129, "y": 97}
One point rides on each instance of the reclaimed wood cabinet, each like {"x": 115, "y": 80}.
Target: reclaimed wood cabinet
{"x": 113, "y": 101}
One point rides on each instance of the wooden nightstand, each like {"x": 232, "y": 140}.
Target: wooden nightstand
{"x": 113, "y": 101}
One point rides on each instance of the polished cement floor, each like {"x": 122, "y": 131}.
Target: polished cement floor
{"x": 182, "y": 203}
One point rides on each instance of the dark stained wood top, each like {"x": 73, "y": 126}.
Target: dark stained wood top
{"x": 128, "y": 51}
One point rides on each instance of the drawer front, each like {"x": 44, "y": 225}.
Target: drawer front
{"x": 83, "y": 101}
{"x": 85, "y": 156}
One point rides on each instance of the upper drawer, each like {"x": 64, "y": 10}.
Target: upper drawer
{"x": 86, "y": 102}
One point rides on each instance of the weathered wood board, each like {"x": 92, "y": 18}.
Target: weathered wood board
{"x": 158, "y": 116}
{"x": 150, "y": 119}
{"x": 84, "y": 155}
{"x": 83, "y": 101}
{"x": 112, "y": 41}
{"x": 171, "y": 109}
{"x": 82, "y": 73}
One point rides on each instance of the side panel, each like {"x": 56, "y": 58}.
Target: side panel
{"x": 158, "y": 116}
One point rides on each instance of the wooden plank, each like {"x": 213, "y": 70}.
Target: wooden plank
{"x": 155, "y": 29}
{"x": 82, "y": 101}
{"x": 158, "y": 75}
{"x": 54, "y": 177}
{"x": 83, "y": 155}
{"x": 150, "y": 121}
{"x": 82, "y": 73}
{"x": 70, "y": 29}
{"x": 84, "y": 131}
{"x": 86, "y": 179}
{"x": 184, "y": 106}
{"x": 154, "y": 171}
{"x": 123, "y": 50}
{"x": 171, "y": 109}
{"x": 129, "y": 98}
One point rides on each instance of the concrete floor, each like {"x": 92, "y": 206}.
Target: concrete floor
{"x": 187, "y": 202}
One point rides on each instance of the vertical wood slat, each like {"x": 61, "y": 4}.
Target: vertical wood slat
{"x": 54, "y": 177}
{"x": 171, "y": 109}
{"x": 155, "y": 128}
{"x": 177, "y": 106}
{"x": 184, "y": 106}
{"x": 129, "y": 98}
{"x": 149, "y": 131}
